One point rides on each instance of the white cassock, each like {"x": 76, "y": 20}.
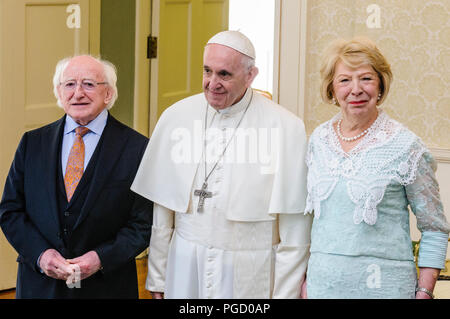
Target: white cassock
{"x": 252, "y": 238}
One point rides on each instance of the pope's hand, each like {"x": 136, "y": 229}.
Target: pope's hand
{"x": 303, "y": 292}
{"x": 157, "y": 295}
{"x": 89, "y": 264}
{"x": 54, "y": 265}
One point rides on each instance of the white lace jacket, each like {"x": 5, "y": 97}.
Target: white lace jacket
{"x": 389, "y": 153}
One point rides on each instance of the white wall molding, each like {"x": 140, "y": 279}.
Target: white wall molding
{"x": 441, "y": 155}
{"x": 290, "y": 54}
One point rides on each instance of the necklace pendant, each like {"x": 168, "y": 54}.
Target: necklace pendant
{"x": 202, "y": 194}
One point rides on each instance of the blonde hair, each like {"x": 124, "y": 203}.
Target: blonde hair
{"x": 354, "y": 53}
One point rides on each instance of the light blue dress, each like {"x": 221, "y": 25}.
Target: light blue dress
{"x": 360, "y": 240}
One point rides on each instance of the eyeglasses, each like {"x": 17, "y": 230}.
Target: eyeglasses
{"x": 87, "y": 85}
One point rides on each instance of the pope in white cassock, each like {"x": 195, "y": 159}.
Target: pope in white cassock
{"x": 226, "y": 172}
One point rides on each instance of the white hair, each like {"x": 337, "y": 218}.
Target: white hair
{"x": 247, "y": 62}
{"x": 109, "y": 73}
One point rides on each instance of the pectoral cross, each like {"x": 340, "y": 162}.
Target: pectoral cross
{"x": 202, "y": 194}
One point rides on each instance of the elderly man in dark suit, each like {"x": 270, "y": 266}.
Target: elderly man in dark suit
{"x": 67, "y": 207}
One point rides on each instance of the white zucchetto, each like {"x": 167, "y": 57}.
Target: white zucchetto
{"x": 235, "y": 40}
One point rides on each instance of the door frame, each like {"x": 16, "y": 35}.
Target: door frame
{"x": 95, "y": 7}
{"x": 290, "y": 54}
{"x": 142, "y": 68}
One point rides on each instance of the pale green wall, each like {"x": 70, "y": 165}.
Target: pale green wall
{"x": 117, "y": 46}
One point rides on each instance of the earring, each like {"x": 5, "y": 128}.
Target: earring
{"x": 333, "y": 100}
{"x": 379, "y": 96}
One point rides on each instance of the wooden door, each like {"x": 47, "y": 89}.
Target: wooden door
{"x": 182, "y": 27}
{"x": 34, "y": 36}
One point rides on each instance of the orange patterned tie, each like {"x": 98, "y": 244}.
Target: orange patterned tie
{"x": 75, "y": 163}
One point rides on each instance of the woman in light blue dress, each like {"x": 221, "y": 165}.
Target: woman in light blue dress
{"x": 365, "y": 170}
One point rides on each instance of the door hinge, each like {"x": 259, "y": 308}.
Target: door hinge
{"x": 152, "y": 47}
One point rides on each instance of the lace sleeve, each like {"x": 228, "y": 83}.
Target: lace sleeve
{"x": 424, "y": 199}
{"x": 309, "y": 151}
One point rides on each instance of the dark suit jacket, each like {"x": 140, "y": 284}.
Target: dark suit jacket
{"x": 111, "y": 219}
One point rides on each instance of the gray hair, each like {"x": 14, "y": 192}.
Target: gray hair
{"x": 109, "y": 73}
{"x": 247, "y": 62}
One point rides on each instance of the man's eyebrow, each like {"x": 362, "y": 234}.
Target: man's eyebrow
{"x": 225, "y": 72}
{"x": 222, "y": 72}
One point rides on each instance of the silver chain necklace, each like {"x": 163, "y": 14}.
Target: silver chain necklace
{"x": 203, "y": 192}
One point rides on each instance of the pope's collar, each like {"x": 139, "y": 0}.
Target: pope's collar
{"x": 238, "y": 107}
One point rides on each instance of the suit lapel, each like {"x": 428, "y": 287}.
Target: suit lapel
{"x": 50, "y": 146}
{"x": 110, "y": 148}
